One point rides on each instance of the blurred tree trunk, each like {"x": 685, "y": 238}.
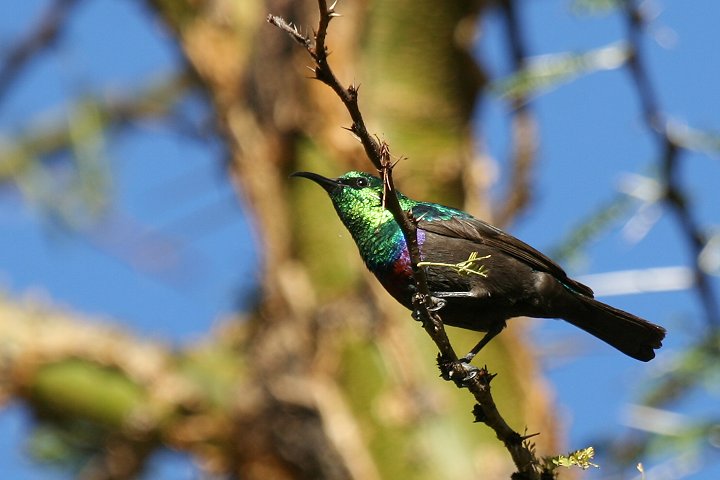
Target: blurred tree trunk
{"x": 327, "y": 377}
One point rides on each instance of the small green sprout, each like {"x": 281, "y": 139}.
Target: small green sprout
{"x": 578, "y": 458}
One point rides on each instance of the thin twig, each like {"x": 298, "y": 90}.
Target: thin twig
{"x": 379, "y": 155}
{"x": 524, "y": 130}
{"x": 43, "y": 36}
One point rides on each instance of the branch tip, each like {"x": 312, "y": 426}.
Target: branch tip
{"x": 289, "y": 28}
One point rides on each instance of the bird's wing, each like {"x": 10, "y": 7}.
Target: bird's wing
{"x": 480, "y": 232}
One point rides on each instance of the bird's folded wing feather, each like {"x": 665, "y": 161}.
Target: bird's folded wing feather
{"x": 483, "y": 233}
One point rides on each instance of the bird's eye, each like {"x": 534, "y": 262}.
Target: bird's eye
{"x": 361, "y": 182}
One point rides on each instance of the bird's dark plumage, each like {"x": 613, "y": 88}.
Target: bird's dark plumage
{"x": 505, "y": 277}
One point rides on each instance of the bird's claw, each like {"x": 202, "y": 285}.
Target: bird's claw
{"x": 461, "y": 376}
{"x": 435, "y": 304}
{"x": 471, "y": 371}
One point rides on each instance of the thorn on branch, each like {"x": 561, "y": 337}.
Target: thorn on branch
{"x": 485, "y": 376}
{"x": 352, "y": 130}
{"x": 529, "y": 436}
{"x": 331, "y": 13}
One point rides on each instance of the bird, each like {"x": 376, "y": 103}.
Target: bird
{"x": 478, "y": 275}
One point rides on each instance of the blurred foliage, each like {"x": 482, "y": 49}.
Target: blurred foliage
{"x": 62, "y": 166}
{"x": 69, "y": 446}
{"x": 549, "y": 71}
{"x": 704, "y": 141}
{"x": 595, "y": 7}
{"x": 697, "y": 366}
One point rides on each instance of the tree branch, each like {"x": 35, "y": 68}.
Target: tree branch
{"x": 45, "y": 35}
{"x": 379, "y": 154}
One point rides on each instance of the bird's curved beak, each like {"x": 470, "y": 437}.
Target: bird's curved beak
{"x": 329, "y": 184}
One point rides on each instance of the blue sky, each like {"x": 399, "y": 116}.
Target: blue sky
{"x": 173, "y": 189}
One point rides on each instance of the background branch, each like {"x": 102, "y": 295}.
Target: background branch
{"x": 669, "y": 152}
{"x": 43, "y": 36}
{"x": 524, "y": 130}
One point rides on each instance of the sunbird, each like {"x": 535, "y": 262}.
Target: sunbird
{"x": 478, "y": 275}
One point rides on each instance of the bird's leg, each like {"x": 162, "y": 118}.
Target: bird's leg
{"x": 489, "y": 335}
{"x": 453, "y": 294}
{"x": 438, "y": 301}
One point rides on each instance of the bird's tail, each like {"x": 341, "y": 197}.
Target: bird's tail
{"x": 631, "y": 335}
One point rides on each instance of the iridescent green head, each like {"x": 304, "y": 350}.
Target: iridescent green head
{"x": 357, "y": 197}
